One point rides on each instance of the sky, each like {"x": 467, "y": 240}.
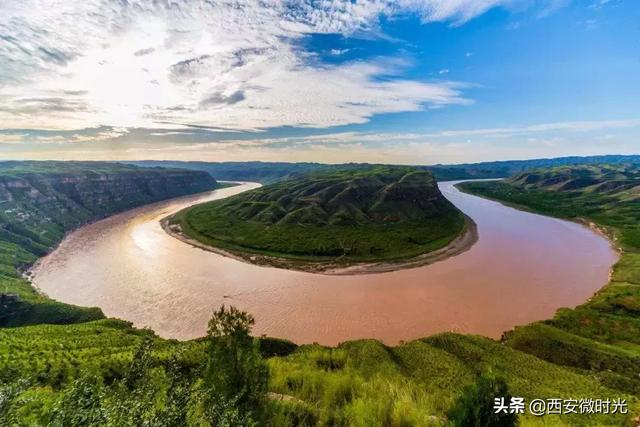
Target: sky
{"x": 381, "y": 81}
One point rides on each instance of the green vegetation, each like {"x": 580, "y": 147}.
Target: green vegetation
{"x": 368, "y": 213}
{"x": 41, "y": 201}
{"x": 270, "y": 172}
{"x": 476, "y": 407}
{"x": 603, "y": 335}
{"x": 128, "y": 376}
{"x": 236, "y": 376}
{"x": 105, "y": 372}
{"x": 110, "y": 374}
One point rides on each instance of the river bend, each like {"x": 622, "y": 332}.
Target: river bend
{"x": 523, "y": 268}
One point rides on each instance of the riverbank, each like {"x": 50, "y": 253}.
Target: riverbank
{"x": 602, "y": 334}
{"x": 151, "y": 278}
{"x": 432, "y": 369}
{"x": 458, "y": 245}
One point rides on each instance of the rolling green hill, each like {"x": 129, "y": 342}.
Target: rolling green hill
{"x": 359, "y": 383}
{"x": 602, "y": 335}
{"x": 608, "y": 195}
{"x": 365, "y": 213}
{"x": 107, "y": 373}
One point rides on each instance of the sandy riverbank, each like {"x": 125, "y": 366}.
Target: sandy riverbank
{"x": 460, "y": 244}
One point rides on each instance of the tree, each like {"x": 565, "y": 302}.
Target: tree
{"x": 236, "y": 376}
{"x": 81, "y": 404}
{"x": 140, "y": 364}
{"x": 475, "y": 408}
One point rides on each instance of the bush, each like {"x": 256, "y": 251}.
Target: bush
{"x": 476, "y": 405}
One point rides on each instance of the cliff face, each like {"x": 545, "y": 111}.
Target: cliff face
{"x": 48, "y": 201}
{"x": 40, "y": 201}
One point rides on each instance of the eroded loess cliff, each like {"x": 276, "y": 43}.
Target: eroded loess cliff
{"x": 41, "y": 201}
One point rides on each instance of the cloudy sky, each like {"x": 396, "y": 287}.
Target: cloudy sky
{"x": 404, "y": 81}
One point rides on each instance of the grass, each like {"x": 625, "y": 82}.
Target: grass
{"x": 592, "y": 351}
{"x": 370, "y": 213}
{"x": 602, "y": 335}
{"x": 367, "y": 383}
{"x": 360, "y": 383}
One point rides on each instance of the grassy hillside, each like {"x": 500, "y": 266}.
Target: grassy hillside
{"x": 608, "y": 195}
{"x": 106, "y": 372}
{"x": 365, "y": 213}
{"x": 360, "y": 383}
{"x": 270, "y": 172}
{"x": 602, "y": 335}
{"x": 41, "y": 201}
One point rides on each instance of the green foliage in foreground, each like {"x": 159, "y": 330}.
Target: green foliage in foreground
{"x": 108, "y": 369}
{"x": 369, "y": 213}
{"x": 107, "y": 373}
{"x": 476, "y": 405}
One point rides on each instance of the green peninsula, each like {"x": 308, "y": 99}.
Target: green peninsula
{"x": 350, "y": 215}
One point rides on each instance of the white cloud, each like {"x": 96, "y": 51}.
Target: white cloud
{"x": 338, "y": 52}
{"x": 14, "y": 138}
{"x": 578, "y": 126}
{"x": 222, "y": 63}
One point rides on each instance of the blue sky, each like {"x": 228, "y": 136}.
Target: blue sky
{"x": 408, "y": 81}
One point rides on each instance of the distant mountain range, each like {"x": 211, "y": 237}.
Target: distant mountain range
{"x": 268, "y": 172}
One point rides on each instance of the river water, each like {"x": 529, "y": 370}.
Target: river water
{"x": 523, "y": 267}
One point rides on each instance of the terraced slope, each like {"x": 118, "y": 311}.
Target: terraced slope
{"x": 366, "y": 213}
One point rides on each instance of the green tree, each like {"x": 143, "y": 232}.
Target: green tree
{"x": 236, "y": 376}
{"x": 138, "y": 398}
{"x": 174, "y": 411}
{"x": 7, "y": 394}
{"x": 81, "y": 404}
{"x": 475, "y": 408}
{"x": 140, "y": 365}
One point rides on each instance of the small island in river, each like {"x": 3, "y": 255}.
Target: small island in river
{"x": 357, "y": 219}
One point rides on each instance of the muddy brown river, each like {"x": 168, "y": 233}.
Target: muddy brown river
{"x": 523, "y": 268}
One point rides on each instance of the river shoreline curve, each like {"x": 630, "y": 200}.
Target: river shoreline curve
{"x": 462, "y": 243}
{"x": 523, "y": 268}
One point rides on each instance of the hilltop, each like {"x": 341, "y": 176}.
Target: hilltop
{"x": 622, "y": 180}
{"x": 353, "y": 214}
{"x": 106, "y": 370}
{"x": 270, "y": 172}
